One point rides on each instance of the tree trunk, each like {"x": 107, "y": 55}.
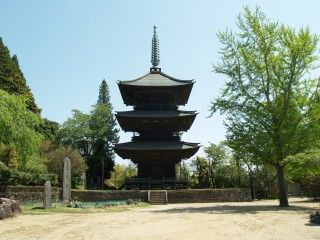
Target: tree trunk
{"x": 102, "y": 174}
{"x": 238, "y": 170}
{"x": 283, "y": 198}
{"x": 211, "y": 178}
{"x": 253, "y": 195}
{"x": 251, "y": 180}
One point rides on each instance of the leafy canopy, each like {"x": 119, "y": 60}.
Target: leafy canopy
{"x": 270, "y": 95}
{"x": 17, "y": 127}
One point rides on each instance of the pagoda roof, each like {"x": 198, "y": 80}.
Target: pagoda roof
{"x": 158, "y": 146}
{"x": 156, "y": 150}
{"x": 156, "y": 78}
{"x": 156, "y": 113}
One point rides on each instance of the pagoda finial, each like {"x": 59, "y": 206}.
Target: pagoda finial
{"x": 155, "y": 55}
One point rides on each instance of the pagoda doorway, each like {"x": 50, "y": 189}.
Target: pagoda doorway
{"x": 156, "y": 171}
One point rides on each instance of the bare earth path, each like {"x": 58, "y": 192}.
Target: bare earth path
{"x": 250, "y": 220}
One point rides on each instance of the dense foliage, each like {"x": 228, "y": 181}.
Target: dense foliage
{"x": 222, "y": 168}
{"x": 118, "y": 175}
{"x": 22, "y": 128}
{"x": 13, "y": 176}
{"x": 218, "y": 169}
{"x": 54, "y": 163}
{"x": 270, "y": 99}
{"x": 18, "y": 139}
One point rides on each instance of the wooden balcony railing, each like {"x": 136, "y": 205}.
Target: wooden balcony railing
{"x": 161, "y": 183}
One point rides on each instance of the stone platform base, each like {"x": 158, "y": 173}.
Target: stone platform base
{"x": 174, "y": 196}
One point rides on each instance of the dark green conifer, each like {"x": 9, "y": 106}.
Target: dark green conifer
{"x": 104, "y": 93}
{"x": 12, "y": 79}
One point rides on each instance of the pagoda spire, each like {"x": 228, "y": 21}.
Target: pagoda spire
{"x": 155, "y": 55}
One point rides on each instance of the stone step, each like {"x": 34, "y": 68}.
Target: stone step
{"x": 157, "y": 197}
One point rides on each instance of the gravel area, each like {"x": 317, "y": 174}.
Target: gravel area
{"x": 245, "y": 220}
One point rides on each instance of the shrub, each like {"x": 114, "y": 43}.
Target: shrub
{"x": 15, "y": 177}
{"x": 311, "y": 187}
{"x": 55, "y": 160}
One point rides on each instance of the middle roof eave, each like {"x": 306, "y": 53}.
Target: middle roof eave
{"x": 155, "y": 113}
{"x": 154, "y": 145}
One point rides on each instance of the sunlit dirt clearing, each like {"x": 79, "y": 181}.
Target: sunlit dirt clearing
{"x": 248, "y": 220}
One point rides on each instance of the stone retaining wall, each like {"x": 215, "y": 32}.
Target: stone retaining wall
{"x": 35, "y": 193}
{"x": 209, "y": 195}
{"x": 174, "y": 196}
{"x": 28, "y": 193}
{"x": 105, "y": 195}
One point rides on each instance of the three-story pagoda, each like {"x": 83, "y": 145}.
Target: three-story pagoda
{"x": 157, "y": 124}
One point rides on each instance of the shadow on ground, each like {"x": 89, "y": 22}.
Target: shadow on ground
{"x": 231, "y": 209}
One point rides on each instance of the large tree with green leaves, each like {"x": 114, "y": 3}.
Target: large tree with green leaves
{"x": 270, "y": 98}
{"x": 18, "y": 139}
{"x": 104, "y": 129}
{"x": 76, "y": 133}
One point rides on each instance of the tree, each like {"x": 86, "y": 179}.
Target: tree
{"x": 12, "y": 79}
{"x": 304, "y": 168}
{"x": 270, "y": 97}
{"x": 119, "y": 174}
{"x": 54, "y": 163}
{"x": 200, "y": 175}
{"x": 104, "y": 129}
{"x": 104, "y": 97}
{"x": 49, "y": 129}
{"x": 216, "y": 155}
{"x": 76, "y": 133}
{"x": 93, "y": 135}
{"x": 183, "y": 170}
{"x": 18, "y": 139}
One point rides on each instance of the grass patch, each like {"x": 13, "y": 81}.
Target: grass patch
{"x": 35, "y": 208}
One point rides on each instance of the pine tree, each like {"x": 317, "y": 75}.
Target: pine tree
{"x": 104, "y": 93}
{"x": 12, "y": 79}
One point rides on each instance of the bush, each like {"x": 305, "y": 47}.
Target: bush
{"x": 15, "y": 177}
{"x": 55, "y": 160}
{"x": 311, "y": 187}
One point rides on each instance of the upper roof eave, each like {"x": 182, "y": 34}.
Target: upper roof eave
{"x": 170, "y": 81}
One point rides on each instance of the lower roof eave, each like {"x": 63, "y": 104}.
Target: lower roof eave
{"x": 140, "y": 152}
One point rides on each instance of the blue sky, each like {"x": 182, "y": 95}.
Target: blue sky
{"x": 66, "y": 48}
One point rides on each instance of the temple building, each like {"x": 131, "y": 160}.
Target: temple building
{"x": 157, "y": 125}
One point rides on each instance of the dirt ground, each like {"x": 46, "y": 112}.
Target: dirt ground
{"x": 249, "y": 220}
